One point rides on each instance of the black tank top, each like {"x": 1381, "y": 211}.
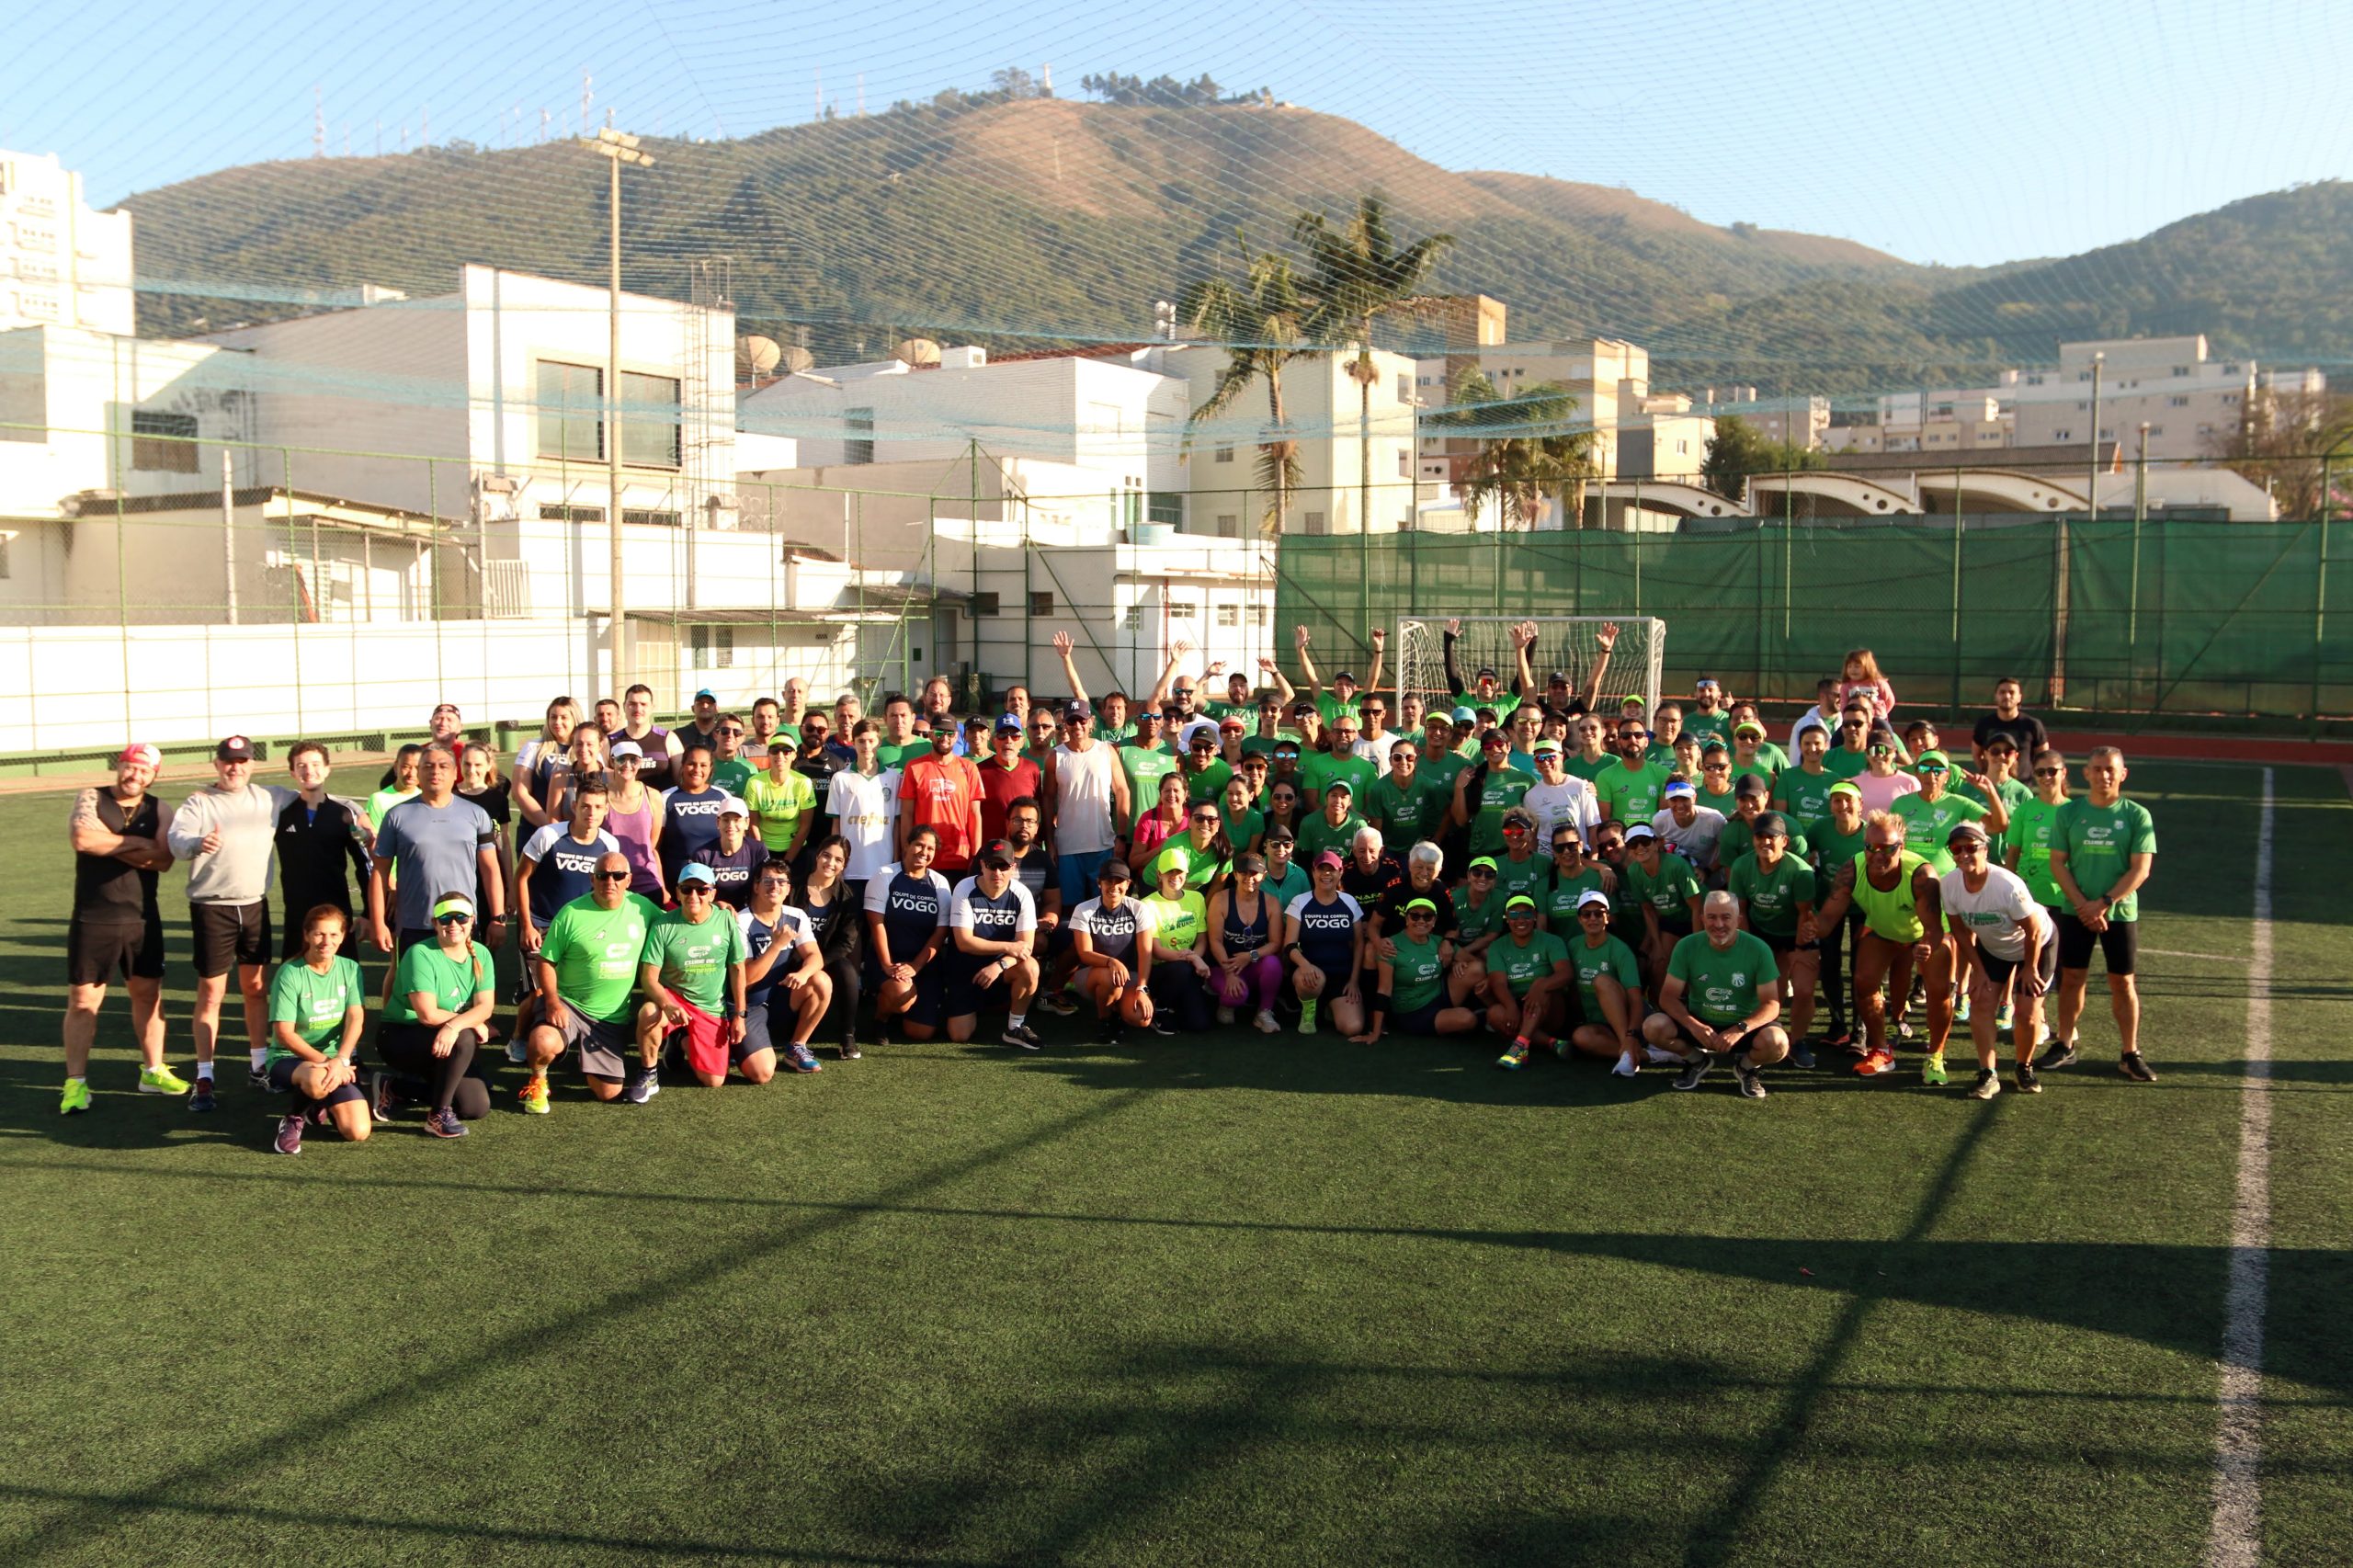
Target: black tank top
{"x": 107, "y": 892}
{"x": 1246, "y": 936}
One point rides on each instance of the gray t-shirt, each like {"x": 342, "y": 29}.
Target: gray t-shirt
{"x": 239, "y": 871}
{"x": 431, "y": 850}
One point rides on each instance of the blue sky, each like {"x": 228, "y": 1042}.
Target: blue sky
{"x": 1960, "y": 134}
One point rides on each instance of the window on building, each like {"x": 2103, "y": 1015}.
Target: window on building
{"x": 1229, "y": 615}
{"x": 2156, "y": 429}
{"x": 714, "y": 647}
{"x": 1222, "y": 455}
{"x": 1131, "y": 620}
{"x": 1313, "y": 523}
{"x": 2062, "y": 435}
{"x": 1042, "y": 601}
{"x": 1229, "y": 525}
{"x": 1183, "y": 610}
{"x": 570, "y": 403}
{"x": 1165, "y": 506}
{"x": 571, "y": 514}
{"x": 162, "y": 443}
{"x": 986, "y": 604}
{"x": 646, "y": 517}
{"x": 2181, "y": 369}
{"x": 2178, "y": 402}
{"x": 649, "y": 418}
{"x": 2034, "y": 380}
{"x": 2231, "y": 398}
{"x": 858, "y": 448}
{"x": 1405, "y": 387}
{"x": 2107, "y": 433}
{"x": 1404, "y": 465}
{"x": 5, "y": 540}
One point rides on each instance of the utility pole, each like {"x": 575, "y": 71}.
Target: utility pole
{"x": 616, "y": 148}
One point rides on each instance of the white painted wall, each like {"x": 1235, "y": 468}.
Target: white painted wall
{"x": 61, "y": 264}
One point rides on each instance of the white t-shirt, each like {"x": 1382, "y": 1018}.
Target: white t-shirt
{"x": 1570, "y": 801}
{"x": 1998, "y": 913}
{"x": 1082, "y": 798}
{"x": 863, "y": 810}
{"x": 1697, "y": 843}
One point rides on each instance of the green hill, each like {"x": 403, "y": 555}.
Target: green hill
{"x": 1035, "y": 221}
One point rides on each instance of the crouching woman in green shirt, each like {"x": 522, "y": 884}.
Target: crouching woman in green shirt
{"x": 439, "y": 1017}
{"x": 317, "y": 1007}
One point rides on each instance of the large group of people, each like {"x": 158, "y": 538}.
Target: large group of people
{"x": 730, "y": 896}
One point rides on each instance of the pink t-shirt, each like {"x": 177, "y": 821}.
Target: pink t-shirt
{"x": 1882, "y": 694}
{"x": 1879, "y": 794}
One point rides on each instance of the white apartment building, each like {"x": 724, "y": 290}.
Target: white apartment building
{"x": 1638, "y": 433}
{"x": 61, "y": 264}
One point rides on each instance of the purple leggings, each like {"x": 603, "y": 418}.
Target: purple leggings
{"x": 1263, "y": 975}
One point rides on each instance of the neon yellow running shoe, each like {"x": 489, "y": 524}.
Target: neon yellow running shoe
{"x": 1932, "y": 1070}
{"x": 76, "y": 1099}
{"x": 161, "y": 1080}
{"x": 1514, "y": 1058}
{"x": 535, "y": 1097}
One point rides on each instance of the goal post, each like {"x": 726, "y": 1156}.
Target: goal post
{"x": 1563, "y": 642}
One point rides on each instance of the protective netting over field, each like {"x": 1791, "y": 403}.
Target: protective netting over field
{"x": 2165, "y": 617}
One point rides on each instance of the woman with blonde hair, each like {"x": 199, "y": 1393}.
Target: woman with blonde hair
{"x": 541, "y": 758}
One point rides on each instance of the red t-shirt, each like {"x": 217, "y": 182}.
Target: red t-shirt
{"x": 944, "y": 794}
{"x": 1000, "y": 787}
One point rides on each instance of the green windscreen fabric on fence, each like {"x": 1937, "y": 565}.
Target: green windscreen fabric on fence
{"x": 2160, "y": 617}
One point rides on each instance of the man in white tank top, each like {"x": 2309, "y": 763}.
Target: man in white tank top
{"x": 1088, "y": 790}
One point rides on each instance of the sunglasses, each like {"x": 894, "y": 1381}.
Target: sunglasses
{"x": 1571, "y": 847}
{"x": 696, "y": 890}
{"x": 612, "y": 876}
{"x": 1882, "y": 849}
{"x": 1207, "y": 819}
{"x": 452, "y": 919}
{"x": 2048, "y": 772}
{"x": 731, "y": 729}
{"x": 1481, "y": 871}
{"x": 1634, "y": 735}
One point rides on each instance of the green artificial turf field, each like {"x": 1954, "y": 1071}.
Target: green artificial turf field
{"x": 1234, "y": 1299}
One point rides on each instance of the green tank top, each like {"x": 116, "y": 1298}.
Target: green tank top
{"x": 1890, "y": 912}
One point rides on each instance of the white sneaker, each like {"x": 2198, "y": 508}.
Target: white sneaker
{"x": 1625, "y": 1068}
{"x": 1224, "y": 1014}
{"x": 1661, "y": 1057}
{"x": 1268, "y": 1023}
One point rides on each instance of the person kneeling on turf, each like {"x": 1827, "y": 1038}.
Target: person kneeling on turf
{"x": 777, "y": 934}
{"x": 439, "y": 1017}
{"x": 317, "y": 1007}
{"x": 586, "y": 974}
{"x": 1722, "y": 991}
{"x": 1110, "y": 935}
{"x": 1409, "y": 992}
{"x": 1181, "y": 975}
{"x": 992, "y": 922}
{"x": 693, "y": 977}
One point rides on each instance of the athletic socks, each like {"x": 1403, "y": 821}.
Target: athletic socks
{"x": 204, "y": 1071}
{"x": 1307, "y": 1012}
{"x": 259, "y": 1057}
{"x": 1015, "y": 1021}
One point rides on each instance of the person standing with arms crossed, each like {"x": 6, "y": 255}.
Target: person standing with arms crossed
{"x": 119, "y": 848}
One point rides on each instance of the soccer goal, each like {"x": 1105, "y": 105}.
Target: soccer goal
{"x": 1563, "y": 642}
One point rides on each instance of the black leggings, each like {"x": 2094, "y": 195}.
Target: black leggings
{"x": 1833, "y": 984}
{"x": 849, "y": 989}
{"x": 407, "y": 1049}
{"x": 1181, "y": 994}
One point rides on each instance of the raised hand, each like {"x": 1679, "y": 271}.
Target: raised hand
{"x": 1063, "y": 643}
{"x": 1454, "y": 626}
{"x": 1606, "y": 638}
{"x": 1299, "y": 635}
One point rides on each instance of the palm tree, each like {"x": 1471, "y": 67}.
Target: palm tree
{"x": 1360, "y": 274}
{"x": 1528, "y": 447}
{"x": 1261, "y": 322}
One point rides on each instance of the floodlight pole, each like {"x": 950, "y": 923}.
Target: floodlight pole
{"x": 616, "y": 147}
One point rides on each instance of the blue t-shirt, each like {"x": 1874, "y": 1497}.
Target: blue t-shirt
{"x": 432, "y": 850}
{"x": 564, "y": 868}
{"x": 689, "y": 822}
{"x": 912, "y": 908}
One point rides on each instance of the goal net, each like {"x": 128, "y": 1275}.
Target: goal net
{"x": 1563, "y": 642}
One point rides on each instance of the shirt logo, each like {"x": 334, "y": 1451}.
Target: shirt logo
{"x": 1739, "y": 979}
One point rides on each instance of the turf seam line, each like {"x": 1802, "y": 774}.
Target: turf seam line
{"x": 2237, "y": 1538}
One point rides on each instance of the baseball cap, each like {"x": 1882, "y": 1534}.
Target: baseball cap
{"x": 1750, "y": 784}
{"x": 1304, "y": 705}
{"x": 1342, "y": 786}
{"x": 1413, "y": 904}
{"x": 627, "y": 749}
{"x": 1232, "y": 721}
{"x": 1640, "y": 830}
{"x": 1845, "y": 787}
{"x": 995, "y": 852}
{"x": 732, "y": 806}
{"x": 1078, "y": 708}
{"x": 1200, "y": 730}
{"x": 1772, "y": 825}
{"x": 1558, "y": 677}
{"x": 1484, "y": 863}
{"x": 1249, "y": 863}
{"x": 1278, "y": 833}
{"x": 1344, "y": 676}
{"x": 1330, "y": 858}
{"x": 1749, "y": 727}
{"x": 1008, "y": 723}
{"x": 696, "y": 872}
{"x": 1680, "y": 790}
{"x": 1517, "y": 902}
{"x": 140, "y": 750}
{"x": 1593, "y": 896}
{"x": 236, "y": 748}
{"x": 1485, "y": 672}
{"x": 1113, "y": 870}
{"x": 1712, "y": 743}
{"x": 1545, "y": 747}
{"x": 702, "y": 692}
{"x": 1967, "y": 831}
{"x": 1465, "y": 714}
{"x": 1933, "y": 759}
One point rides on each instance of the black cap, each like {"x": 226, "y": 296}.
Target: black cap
{"x": 1751, "y": 784}
{"x": 995, "y": 852}
{"x": 236, "y": 748}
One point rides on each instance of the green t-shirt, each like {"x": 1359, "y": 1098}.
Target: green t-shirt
{"x": 1739, "y": 839}
{"x": 1772, "y": 897}
{"x": 1331, "y": 706}
{"x": 1499, "y": 791}
{"x": 2031, "y": 821}
{"x": 1721, "y": 987}
{"x": 1246, "y": 709}
{"x": 899, "y": 756}
{"x": 1110, "y": 733}
{"x": 1441, "y": 776}
{"x": 1470, "y": 923}
{"x": 1178, "y": 924}
{"x": 1201, "y": 865}
{"x": 1290, "y": 885}
{"x": 1264, "y": 745}
{"x": 1416, "y": 974}
{"x": 692, "y": 959}
{"x": 1726, "y": 805}
{"x": 1318, "y": 768}
{"x": 1631, "y": 794}
{"x": 1243, "y": 831}
{"x": 595, "y": 951}
{"x": 1577, "y": 765}
{"x": 383, "y": 801}
{"x": 1532, "y": 876}
{"x": 780, "y": 806}
{"x": 1523, "y": 967}
{"x": 1406, "y": 815}
{"x": 2013, "y": 792}
{"x": 1925, "y": 823}
{"x": 733, "y": 774}
{"x": 315, "y": 1004}
{"x": 1208, "y": 784}
{"x": 2098, "y": 841}
{"x": 1802, "y": 796}
{"x": 1316, "y": 834}
{"x": 1560, "y": 900}
{"x": 1840, "y": 762}
{"x": 1144, "y": 770}
{"x": 1670, "y": 891}
{"x": 1613, "y": 958}
{"x": 1707, "y": 726}
{"x": 452, "y": 981}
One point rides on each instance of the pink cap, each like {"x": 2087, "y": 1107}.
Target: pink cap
{"x": 140, "y": 750}
{"x": 1330, "y": 857}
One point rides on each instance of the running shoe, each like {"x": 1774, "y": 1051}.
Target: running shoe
{"x": 1162, "y": 1024}
{"x": 1627, "y": 1067}
{"x": 383, "y": 1100}
{"x": 1661, "y": 1057}
{"x": 2004, "y": 1017}
{"x": 1023, "y": 1037}
{"x": 1106, "y": 1030}
{"x": 75, "y": 1099}
{"x": 258, "y": 1078}
{"x": 161, "y": 1080}
{"x": 800, "y": 1059}
{"x": 289, "y": 1135}
{"x": 1875, "y": 1062}
{"x": 1752, "y": 1080}
{"x": 1840, "y": 1037}
{"x": 1903, "y": 1028}
{"x": 1694, "y": 1069}
{"x": 2027, "y": 1083}
{"x": 1514, "y": 1056}
{"x": 1306, "y": 1024}
{"x": 1961, "y": 1009}
{"x": 535, "y": 1095}
{"x": 517, "y": 1052}
{"x": 1932, "y": 1070}
{"x": 1268, "y": 1023}
{"x": 1224, "y": 1014}
{"x": 849, "y": 1050}
{"x": 644, "y": 1087}
{"x": 444, "y": 1123}
{"x": 1988, "y": 1084}
{"x": 1801, "y": 1055}
{"x": 2061, "y": 1054}
{"x": 202, "y": 1098}
{"x": 2135, "y": 1066}
{"x": 1062, "y": 1003}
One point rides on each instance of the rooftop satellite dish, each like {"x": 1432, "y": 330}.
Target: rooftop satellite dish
{"x": 916, "y": 351}
{"x": 756, "y": 356}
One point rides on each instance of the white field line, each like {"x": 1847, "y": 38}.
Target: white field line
{"x": 2176, "y": 954}
{"x": 2236, "y": 1540}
